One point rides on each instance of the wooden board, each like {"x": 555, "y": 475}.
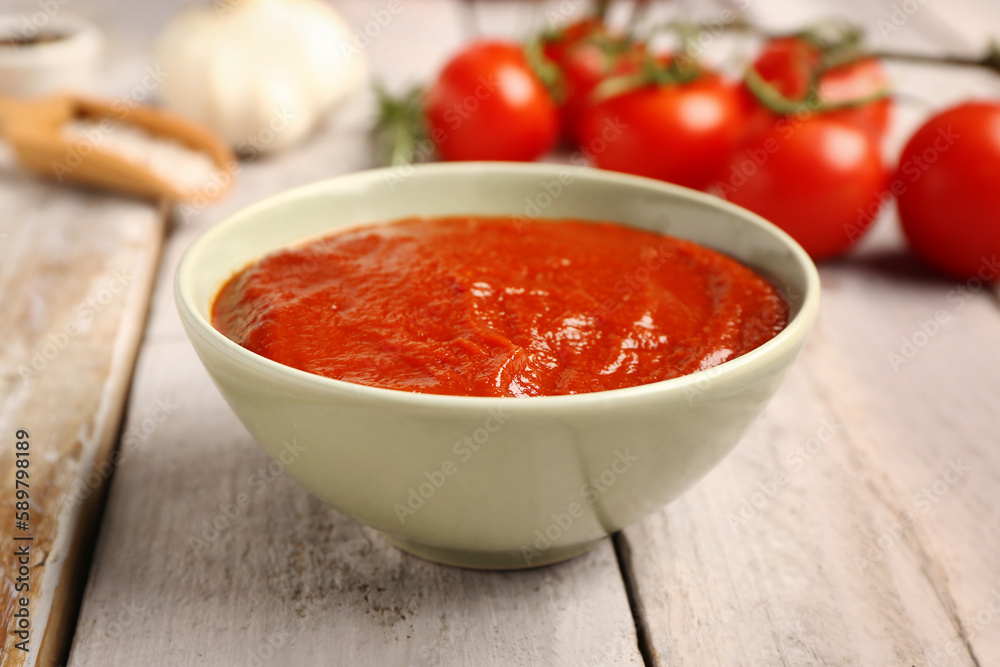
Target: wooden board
{"x": 76, "y": 273}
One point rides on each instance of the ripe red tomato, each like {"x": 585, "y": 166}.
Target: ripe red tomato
{"x": 791, "y": 65}
{"x": 788, "y": 64}
{"x": 488, "y": 104}
{"x": 682, "y": 133}
{"x": 586, "y": 54}
{"x": 857, "y": 80}
{"x": 946, "y": 190}
{"x": 819, "y": 178}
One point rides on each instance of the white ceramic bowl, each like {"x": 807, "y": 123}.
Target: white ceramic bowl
{"x": 494, "y": 482}
{"x": 63, "y": 64}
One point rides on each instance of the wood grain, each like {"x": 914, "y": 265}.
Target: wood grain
{"x": 76, "y": 276}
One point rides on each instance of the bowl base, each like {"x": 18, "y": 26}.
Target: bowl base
{"x": 492, "y": 560}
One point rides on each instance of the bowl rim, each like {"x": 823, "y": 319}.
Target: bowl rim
{"x": 789, "y": 338}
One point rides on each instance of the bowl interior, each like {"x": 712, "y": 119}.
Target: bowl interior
{"x": 527, "y": 192}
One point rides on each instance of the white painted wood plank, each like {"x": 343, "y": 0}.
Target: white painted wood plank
{"x": 69, "y": 258}
{"x": 921, "y": 376}
{"x": 76, "y": 272}
{"x": 799, "y": 549}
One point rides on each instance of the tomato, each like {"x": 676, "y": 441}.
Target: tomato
{"x": 488, "y": 104}
{"x": 557, "y": 45}
{"x": 677, "y": 132}
{"x": 586, "y": 54}
{"x": 788, "y": 64}
{"x": 859, "y": 79}
{"x": 818, "y": 178}
{"x": 792, "y": 64}
{"x": 946, "y": 190}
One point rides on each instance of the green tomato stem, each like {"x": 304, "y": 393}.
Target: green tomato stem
{"x": 851, "y": 49}
{"x": 400, "y": 128}
{"x": 771, "y": 98}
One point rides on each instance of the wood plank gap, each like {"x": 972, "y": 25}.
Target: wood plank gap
{"x": 69, "y": 598}
{"x": 60, "y": 635}
{"x": 68, "y": 595}
{"x": 81, "y": 275}
{"x": 623, "y": 555}
{"x": 962, "y": 632}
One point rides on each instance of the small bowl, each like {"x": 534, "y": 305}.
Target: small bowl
{"x": 66, "y": 62}
{"x": 494, "y": 482}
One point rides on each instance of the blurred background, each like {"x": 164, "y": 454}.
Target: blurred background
{"x": 402, "y": 43}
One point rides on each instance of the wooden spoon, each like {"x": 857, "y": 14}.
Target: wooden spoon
{"x": 33, "y": 128}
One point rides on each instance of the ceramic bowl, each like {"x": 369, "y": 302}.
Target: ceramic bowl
{"x": 494, "y": 482}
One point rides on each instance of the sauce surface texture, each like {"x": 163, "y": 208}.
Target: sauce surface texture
{"x": 474, "y": 306}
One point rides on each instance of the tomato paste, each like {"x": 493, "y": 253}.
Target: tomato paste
{"x": 478, "y": 306}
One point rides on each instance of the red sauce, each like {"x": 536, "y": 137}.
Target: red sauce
{"x": 476, "y": 306}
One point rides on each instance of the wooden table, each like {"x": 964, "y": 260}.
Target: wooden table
{"x": 858, "y": 523}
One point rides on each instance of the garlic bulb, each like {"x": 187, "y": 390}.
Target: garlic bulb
{"x": 261, "y": 73}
